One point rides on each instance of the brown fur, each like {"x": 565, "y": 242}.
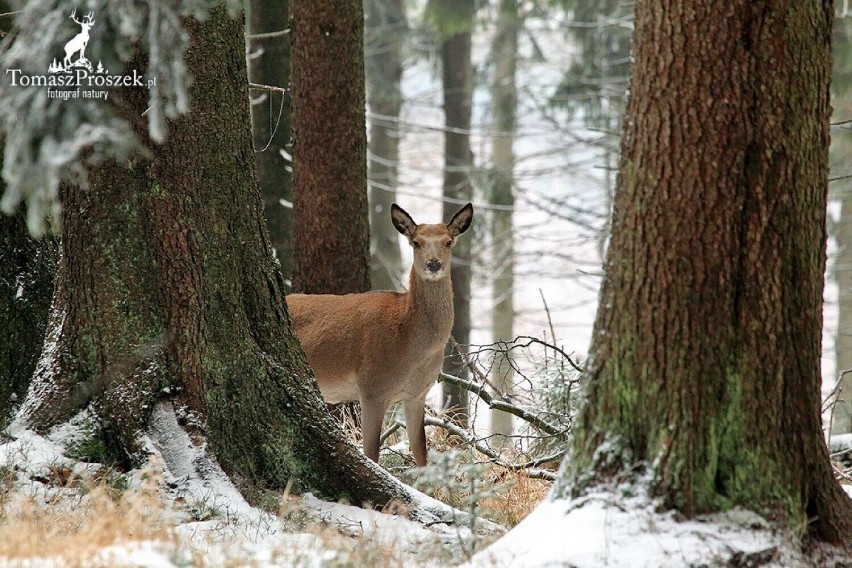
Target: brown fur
{"x": 380, "y": 348}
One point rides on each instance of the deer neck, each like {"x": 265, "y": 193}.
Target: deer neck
{"x": 429, "y": 308}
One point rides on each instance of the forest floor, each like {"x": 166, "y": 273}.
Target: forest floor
{"x": 59, "y": 510}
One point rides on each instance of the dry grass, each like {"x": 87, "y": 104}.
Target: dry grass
{"x": 90, "y": 515}
{"x": 523, "y": 495}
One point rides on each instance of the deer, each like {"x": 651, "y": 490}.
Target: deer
{"x": 383, "y": 347}
{"x": 81, "y": 40}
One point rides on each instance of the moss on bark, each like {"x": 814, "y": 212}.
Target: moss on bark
{"x": 706, "y": 346}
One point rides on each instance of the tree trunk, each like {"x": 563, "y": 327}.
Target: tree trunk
{"x": 329, "y": 148}
{"x": 27, "y": 268}
{"x": 706, "y": 347}
{"x": 503, "y": 102}
{"x": 842, "y": 412}
{"x": 841, "y": 145}
{"x": 456, "y": 75}
{"x": 385, "y": 32}
{"x": 269, "y": 64}
{"x": 167, "y": 284}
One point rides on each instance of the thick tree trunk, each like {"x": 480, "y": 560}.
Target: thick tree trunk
{"x": 503, "y": 102}
{"x": 27, "y": 268}
{"x": 167, "y": 284}
{"x": 269, "y": 64}
{"x": 329, "y": 148}
{"x": 706, "y": 349}
{"x": 457, "y": 87}
{"x": 384, "y": 35}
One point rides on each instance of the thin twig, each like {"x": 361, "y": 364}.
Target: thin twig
{"x": 266, "y": 35}
{"x": 389, "y": 432}
{"x": 500, "y": 404}
{"x": 268, "y": 88}
{"x": 835, "y": 393}
{"x": 547, "y": 311}
{"x": 530, "y": 340}
{"x": 838, "y": 178}
{"x": 486, "y": 451}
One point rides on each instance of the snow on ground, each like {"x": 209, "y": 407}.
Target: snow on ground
{"x": 620, "y": 527}
{"x": 203, "y": 520}
{"x": 181, "y": 510}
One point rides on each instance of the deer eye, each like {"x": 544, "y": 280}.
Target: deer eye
{"x": 415, "y": 244}
{"x": 448, "y": 244}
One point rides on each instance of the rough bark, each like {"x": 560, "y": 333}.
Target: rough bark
{"x": 705, "y": 355}
{"x": 269, "y": 64}
{"x": 167, "y": 284}
{"x": 329, "y": 148}
{"x": 504, "y": 52}
{"x": 384, "y": 35}
{"x": 458, "y": 160}
{"x": 27, "y": 268}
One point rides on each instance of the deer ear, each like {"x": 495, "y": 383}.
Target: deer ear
{"x": 461, "y": 221}
{"x": 402, "y": 221}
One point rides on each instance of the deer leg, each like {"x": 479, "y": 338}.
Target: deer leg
{"x": 372, "y": 414}
{"x": 415, "y": 409}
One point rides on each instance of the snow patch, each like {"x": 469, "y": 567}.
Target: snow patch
{"x": 191, "y": 473}
{"x": 616, "y": 527}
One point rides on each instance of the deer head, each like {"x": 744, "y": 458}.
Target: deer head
{"x": 433, "y": 244}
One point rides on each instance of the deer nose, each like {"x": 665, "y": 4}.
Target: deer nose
{"x": 433, "y": 265}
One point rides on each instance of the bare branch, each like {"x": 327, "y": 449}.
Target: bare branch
{"x": 500, "y": 404}
{"x": 493, "y": 455}
{"x": 268, "y": 88}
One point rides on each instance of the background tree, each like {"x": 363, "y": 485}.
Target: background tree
{"x": 268, "y": 48}
{"x": 841, "y": 145}
{"x": 707, "y": 339}
{"x": 168, "y": 293}
{"x": 596, "y": 81}
{"x": 452, "y": 21}
{"x": 329, "y": 148}
{"x": 504, "y": 94}
{"x": 385, "y": 32}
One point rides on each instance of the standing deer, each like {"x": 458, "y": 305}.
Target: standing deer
{"x": 79, "y": 41}
{"x": 380, "y": 348}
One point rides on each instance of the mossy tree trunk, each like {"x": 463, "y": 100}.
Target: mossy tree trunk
{"x": 269, "y": 64}
{"x": 332, "y": 232}
{"x": 27, "y": 269}
{"x": 168, "y": 289}
{"x": 457, "y": 79}
{"x": 385, "y": 29}
{"x": 705, "y": 355}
